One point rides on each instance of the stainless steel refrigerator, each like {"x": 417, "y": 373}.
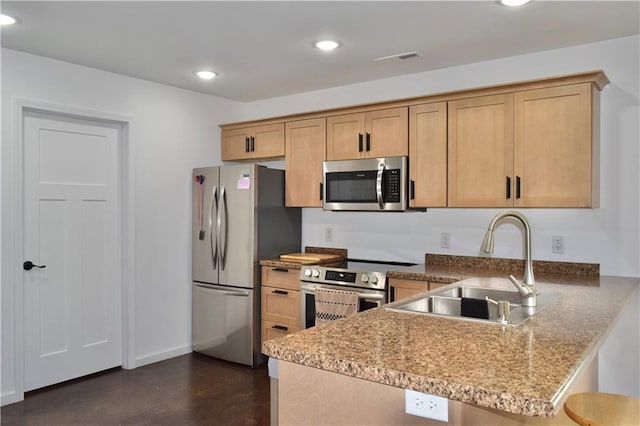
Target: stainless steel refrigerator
{"x": 239, "y": 217}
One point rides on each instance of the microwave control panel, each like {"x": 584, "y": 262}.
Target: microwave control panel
{"x": 392, "y": 186}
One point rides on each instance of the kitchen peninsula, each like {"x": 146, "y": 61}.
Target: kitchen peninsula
{"x": 355, "y": 370}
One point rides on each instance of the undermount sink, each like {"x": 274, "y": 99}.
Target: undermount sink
{"x": 448, "y": 303}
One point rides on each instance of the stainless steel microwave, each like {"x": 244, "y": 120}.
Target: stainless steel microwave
{"x": 370, "y": 184}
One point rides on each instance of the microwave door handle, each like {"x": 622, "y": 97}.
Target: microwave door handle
{"x": 379, "y": 186}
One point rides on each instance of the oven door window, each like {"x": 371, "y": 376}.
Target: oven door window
{"x": 310, "y": 308}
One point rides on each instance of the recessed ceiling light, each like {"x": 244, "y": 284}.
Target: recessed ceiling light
{"x": 514, "y": 2}
{"x": 326, "y": 44}
{"x": 6, "y": 20}
{"x": 206, "y": 75}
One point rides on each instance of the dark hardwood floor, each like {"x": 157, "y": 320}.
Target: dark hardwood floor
{"x": 191, "y": 389}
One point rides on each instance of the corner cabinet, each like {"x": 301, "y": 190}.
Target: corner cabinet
{"x": 305, "y": 142}
{"x": 280, "y": 299}
{"x": 265, "y": 141}
{"x": 534, "y": 148}
{"x": 379, "y": 133}
{"x": 402, "y": 289}
{"x": 428, "y": 155}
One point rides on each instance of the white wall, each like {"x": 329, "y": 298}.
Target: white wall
{"x": 608, "y": 235}
{"x": 173, "y": 130}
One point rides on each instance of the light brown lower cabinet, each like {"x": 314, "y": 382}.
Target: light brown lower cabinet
{"x": 280, "y": 301}
{"x": 401, "y": 288}
{"x": 273, "y": 330}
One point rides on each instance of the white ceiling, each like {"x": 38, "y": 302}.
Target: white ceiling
{"x": 263, "y": 49}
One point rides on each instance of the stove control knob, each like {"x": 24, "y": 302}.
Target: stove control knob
{"x": 316, "y": 273}
{"x": 373, "y": 279}
{"x": 364, "y": 278}
{"x": 307, "y": 272}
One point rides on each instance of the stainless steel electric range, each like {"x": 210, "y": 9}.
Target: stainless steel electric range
{"x": 367, "y": 278}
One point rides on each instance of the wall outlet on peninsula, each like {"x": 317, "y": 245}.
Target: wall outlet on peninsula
{"x": 425, "y": 405}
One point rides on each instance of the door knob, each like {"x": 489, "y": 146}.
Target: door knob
{"x": 28, "y": 265}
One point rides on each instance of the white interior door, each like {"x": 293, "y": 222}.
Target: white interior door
{"x": 72, "y": 307}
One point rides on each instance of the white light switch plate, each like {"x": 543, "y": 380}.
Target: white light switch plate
{"x": 425, "y": 405}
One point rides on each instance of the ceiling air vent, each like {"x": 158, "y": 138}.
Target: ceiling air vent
{"x": 406, "y": 55}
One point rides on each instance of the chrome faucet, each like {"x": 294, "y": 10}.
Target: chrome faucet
{"x": 528, "y": 287}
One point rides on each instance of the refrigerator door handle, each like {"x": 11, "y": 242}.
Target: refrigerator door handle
{"x": 213, "y": 212}
{"x": 222, "y": 228}
{"x": 240, "y": 293}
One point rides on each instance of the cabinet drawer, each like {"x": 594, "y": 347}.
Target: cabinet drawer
{"x": 281, "y": 278}
{"x": 273, "y": 330}
{"x": 281, "y": 305}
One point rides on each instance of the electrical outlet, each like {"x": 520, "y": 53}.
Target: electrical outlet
{"x": 328, "y": 235}
{"x": 445, "y": 240}
{"x": 425, "y": 405}
{"x": 557, "y": 244}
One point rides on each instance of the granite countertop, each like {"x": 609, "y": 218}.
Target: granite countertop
{"x": 450, "y": 269}
{"x": 519, "y": 369}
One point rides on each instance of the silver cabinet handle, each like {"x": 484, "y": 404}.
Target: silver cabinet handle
{"x": 379, "y": 185}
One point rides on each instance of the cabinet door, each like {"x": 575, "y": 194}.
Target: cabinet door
{"x": 434, "y": 285}
{"x": 481, "y": 151}
{"x": 387, "y": 133}
{"x": 428, "y": 154}
{"x": 268, "y": 141}
{"x": 281, "y": 278}
{"x": 235, "y": 144}
{"x": 305, "y": 142}
{"x": 345, "y": 136}
{"x": 272, "y": 330}
{"x": 553, "y": 148}
{"x": 281, "y": 305}
{"x": 402, "y": 289}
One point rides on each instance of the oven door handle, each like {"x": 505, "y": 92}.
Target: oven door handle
{"x": 379, "y": 195}
{"x": 361, "y": 295}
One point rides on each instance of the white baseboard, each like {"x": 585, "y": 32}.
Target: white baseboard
{"x": 161, "y": 356}
{"x": 11, "y": 397}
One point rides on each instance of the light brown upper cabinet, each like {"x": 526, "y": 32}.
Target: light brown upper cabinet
{"x": 305, "y": 151}
{"x": 534, "y": 148}
{"x": 556, "y": 147}
{"x": 380, "y": 133}
{"x": 481, "y": 151}
{"x": 428, "y": 155}
{"x": 265, "y": 141}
